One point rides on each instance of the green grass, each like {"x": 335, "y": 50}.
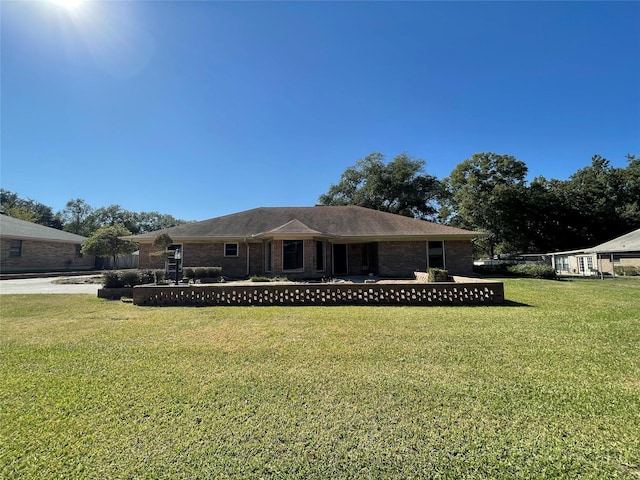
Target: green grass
{"x": 545, "y": 387}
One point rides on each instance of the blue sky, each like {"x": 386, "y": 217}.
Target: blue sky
{"x": 199, "y": 109}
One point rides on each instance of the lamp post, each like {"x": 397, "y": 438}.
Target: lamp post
{"x": 177, "y": 256}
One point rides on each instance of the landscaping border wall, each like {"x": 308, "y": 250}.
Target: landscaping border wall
{"x": 474, "y": 292}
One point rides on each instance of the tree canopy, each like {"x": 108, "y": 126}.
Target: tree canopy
{"x": 75, "y": 217}
{"x": 400, "y": 186}
{"x": 487, "y": 192}
{"x": 106, "y": 242}
{"x": 481, "y": 192}
{"x": 28, "y": 209}
{"x": 81, "y": 218}
{"x": 595, "y": 204}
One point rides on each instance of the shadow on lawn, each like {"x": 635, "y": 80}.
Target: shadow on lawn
{"x": 511, "y": 303}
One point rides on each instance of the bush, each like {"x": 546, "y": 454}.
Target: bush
{"x": 500, "y": 269}
{"x": 438, "y": 275}
{"x": 130, "y": 278}
{"x": 188, "y": 273}
{"x": 259, "y": 278}
{"x": 533, "y": 270}
{"x": 158, "y": 276}
{"x": 627, "y": 271}
{"x": 112, "y": 279}
{"x": 147, "y": 276}
{"x": 206, "y": 272}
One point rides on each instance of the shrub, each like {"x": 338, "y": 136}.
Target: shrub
{"x": 130, "y": 278}
{"x": 158, "y": 276}
{"x": 112, "y": 279}
{"x": 199, "y": 272}
{"x": 146, "y": 276}
{"x": 188, "y": 273}
{"x": 213, "y": 272}
{"x": 438, "y": 275}
{"x": 500, "y": 269}
{"x": 627, "y": 270}
{"x": 206, "y": 272}
{"x": 259, "y": 278}
{"x": 533, "y": 270}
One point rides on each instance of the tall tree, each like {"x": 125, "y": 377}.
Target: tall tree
{"x": 400, "y": 186}
{"x": 76, "y": 217}
{"x": 135, "y": 222}
{"x": 485, "y": 192}
{"x": 629, "y": 178}
{"x": 152, "y": 221}
{"x": 28, "y": 209}
{"x": 114, "y": 215}
{"x": 106, "y": 242}
{"x": 599, "y": 199}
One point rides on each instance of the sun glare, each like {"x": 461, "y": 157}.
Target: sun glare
{"x": 69, "y": 4}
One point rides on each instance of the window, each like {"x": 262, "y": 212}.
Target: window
{"x": 15, "y": 248}
{"x": 292, "y": 255}
{"x": 435, "y": 252}
{"x": 230, "y": 249}
{"x": 79, "y": 251}
{"x": 320, "y": 264}
{"x": 562, "y": 263}
{"x": 267, "y": 256}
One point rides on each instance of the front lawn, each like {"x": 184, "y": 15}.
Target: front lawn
{"x": 547, "y": 386}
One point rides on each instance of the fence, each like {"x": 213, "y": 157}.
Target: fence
{"x": 471, "y": 293}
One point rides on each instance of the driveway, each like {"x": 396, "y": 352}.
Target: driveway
{"x": 47, "y": 285}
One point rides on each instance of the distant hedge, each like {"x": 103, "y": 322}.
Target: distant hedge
{"x": 533, "y": 270}
{"x": 501, "y": 269}
{"x": 627, "y": 271}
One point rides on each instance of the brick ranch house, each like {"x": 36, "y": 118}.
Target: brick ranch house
{"x": 29, "y": 247}
{"x": 315, "y": 242}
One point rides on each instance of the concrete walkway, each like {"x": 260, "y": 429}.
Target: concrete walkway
{"x": 46, "y": 285}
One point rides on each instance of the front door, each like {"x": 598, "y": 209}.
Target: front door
{"x": 340, "y": 264}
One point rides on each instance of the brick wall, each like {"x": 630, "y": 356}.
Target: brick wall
{"x": 401, "y": 259}
{"x": 44, "y": 256}
{"x": 146, "y": 261}
{"x": 210, "y": 255}
{"x": 404, "y": 258}
{"x": 459, "y": 257}
{"x": 395, "y": 259}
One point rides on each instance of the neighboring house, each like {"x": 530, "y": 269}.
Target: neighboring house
{"x": 315, "y": 242}
{"x": 29, "y": 247}
{"x": 621, "y": 251}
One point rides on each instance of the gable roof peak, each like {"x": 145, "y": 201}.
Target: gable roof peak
{"x": 294, "y": 226}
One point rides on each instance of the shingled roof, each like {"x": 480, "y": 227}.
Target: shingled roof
{"x": 21, "y": 230}
{"x": 626, "y": 243}
{"x": 347, "y": 222}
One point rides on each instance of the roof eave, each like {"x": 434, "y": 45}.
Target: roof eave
{"x": 41, "y": 239}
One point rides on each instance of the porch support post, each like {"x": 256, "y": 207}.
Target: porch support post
{"x": 613, "y": 270}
